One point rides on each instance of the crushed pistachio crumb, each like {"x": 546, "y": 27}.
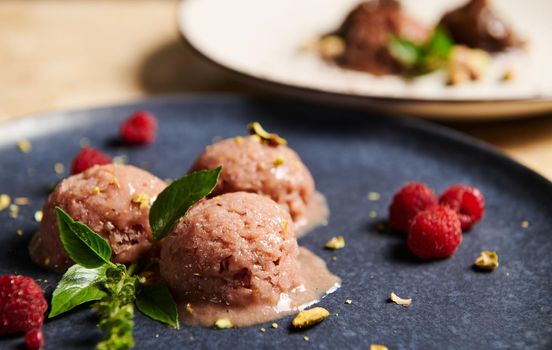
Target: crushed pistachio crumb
{"x": 24, "y": 146}
{"x": 255, "y": 128}
{"x": 38, "y": 215}
{"x": 310, "y": 317}
{"x": 348, "y": 301}
{"x": 238, "y": 139}
{"x": 400, "y": 301}
{"x": 95, "y": 190}
{"x": 142, "y": 199}
{"x": 524, "y": 224}
{"x": 374, "y": 196}
{"x": 279, "y": 161}
{"x": 120, "y": 159}
{"x": 59, "y": 168}
{"x": 262, "y": 329}
{"x": 189, "y": 308}
{"x": 337, "y": 242}
{"x": 223, "y": 323}
{"x": 508, "y": 75}
{"x": 284, "y": 225}
{"x": 22, "y": 201}
{"x": 5, "y": 201}
{"x": 334, "y": 258}
{"x": 373, "y": 214}
{"x": 19, "y": 232}
{"x": 274, "y": 325}
{"x": 487, "y": 260}
{"x": 331, "y": 46}
{"x": 14, "y": 211}
{"x": 378, "y": 347}
{"x": 306, "y": 338}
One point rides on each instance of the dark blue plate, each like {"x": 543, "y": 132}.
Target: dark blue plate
{"x": 454, "y": 307}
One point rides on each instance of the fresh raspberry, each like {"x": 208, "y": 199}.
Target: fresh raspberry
{"x": 435, "y": 233}
{"x": 22, "y": 304}
{"x": 139, "y": 129}
{"x": 87, "y": 158}
{"x": 412, "y": 198}
{"x": 34, "y": 339}
{"x": 468, "y": 202}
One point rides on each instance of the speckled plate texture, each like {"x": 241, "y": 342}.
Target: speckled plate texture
{"x": 454, "y": 306}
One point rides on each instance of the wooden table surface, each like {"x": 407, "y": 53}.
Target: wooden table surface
{"x": 72, "y": 54}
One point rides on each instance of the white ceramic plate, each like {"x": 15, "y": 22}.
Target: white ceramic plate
{"x": 261, "y": 39}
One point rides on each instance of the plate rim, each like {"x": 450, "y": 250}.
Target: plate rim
{"x": 280, "y": 86}
{"x": 417, "y": 124}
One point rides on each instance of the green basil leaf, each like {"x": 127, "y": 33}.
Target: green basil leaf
{"x": 405, "y": 51}
{"x": 175, "y": 201}
{"x": 440, "y": 44}
{"x": 84, "y": 246}
{"x": 156, "y": 302}
{"x": 78, "y": 286}
{"x": 425, "y": 57}
{"x": 436, "y": 51}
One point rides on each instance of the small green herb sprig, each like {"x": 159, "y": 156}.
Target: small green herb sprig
{"x": 423, "y": 58}
{"x": 116, "y": 288}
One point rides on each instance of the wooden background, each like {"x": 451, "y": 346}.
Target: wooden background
{"x": 73, "y": 54}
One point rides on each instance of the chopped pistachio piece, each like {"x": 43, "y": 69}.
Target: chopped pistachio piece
{"x": 262, "y": 329}
{"x": 38, "y": 215}
{"x": 400, "y": 301}
{"x": 22, "y": 201}
{"x": 5, "y": 201}
{"x": 223, "y": 323}
{"x": 95, "y": 190}
{"x": 306, "y": 338}
{"x": 19, "y": 232}
{"x": 337, "y": 242}
{"x": 189, "y": 308}
{"x": 14, "y": 211}
{"x": 274, "y": 325}
{"x": 373, "y": 214}
{"x": 24, "y": 146}
{"x": 348, "y": 301}
{"x": 120, "y": 159}
{"x": 374, "y": 196}
{"x": 310, "y": 317}
{"x": 142, "y": 199}
{"x": 279, "y": 161}
{"x": 255, "y": 128}
{"x": 378, "y": 347}
{"x": 59, "y": 168}
{"x": 487, "y": 260}
{"x": 238, "y": 139}
{"x": 508, "y": 75}
{"x": 524, "y": 224}
{"x": 466, "y": 64}
{"x": 331, "y": 46}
